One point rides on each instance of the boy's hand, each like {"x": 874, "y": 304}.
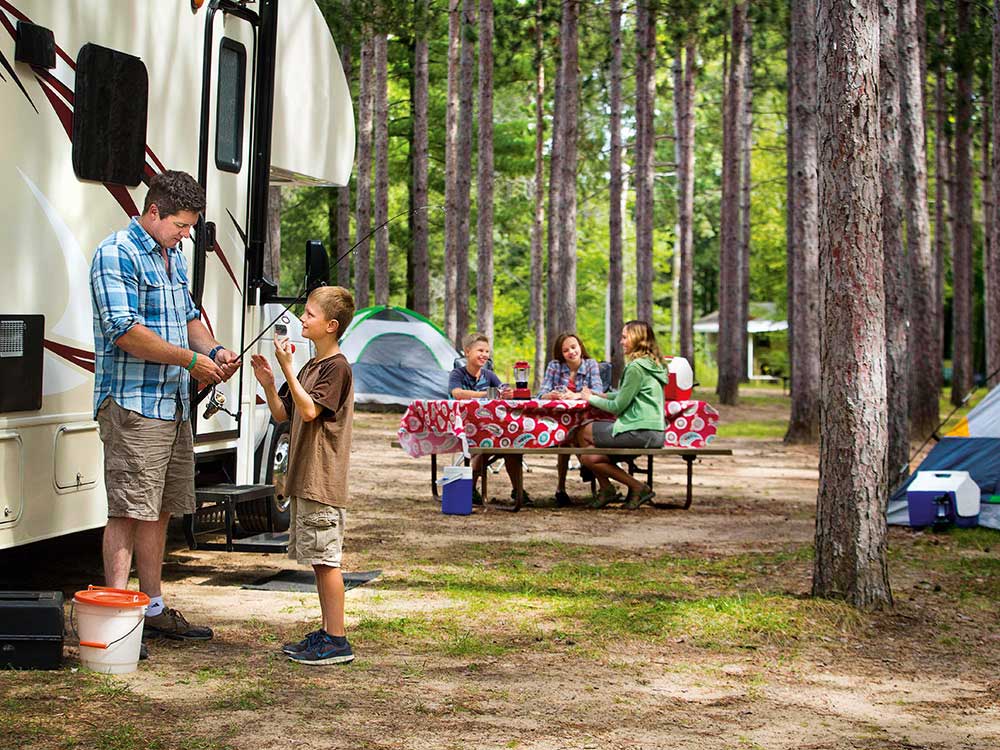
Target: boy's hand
{"x": 262, "y": 370}
{"x": 283, "y": 351}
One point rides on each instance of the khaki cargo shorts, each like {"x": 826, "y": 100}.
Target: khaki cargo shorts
{"x": 148, "y": 464}
{"x": 316, "y": 533}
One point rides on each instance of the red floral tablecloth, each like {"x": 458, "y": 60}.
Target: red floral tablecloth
{"x": 452, "y": 426}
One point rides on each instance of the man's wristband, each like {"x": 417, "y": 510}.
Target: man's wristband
{"x": 194, "y": 358}
{"x": 215, "y": 350}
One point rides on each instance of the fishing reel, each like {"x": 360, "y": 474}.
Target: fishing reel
{"x": 217, "y": 403}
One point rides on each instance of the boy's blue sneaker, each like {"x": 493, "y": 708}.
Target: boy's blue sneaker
{"x": 325, "y": 649}
{"x": 305, "y": 643}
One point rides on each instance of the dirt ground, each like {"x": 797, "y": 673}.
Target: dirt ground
{"x": 924, "y": 675}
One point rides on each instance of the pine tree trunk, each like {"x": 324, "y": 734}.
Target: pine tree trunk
{"x": 553, "y": 284}
{"x": 791, "y": 199}
{"x": 992, "y": 275}
{"x": 343, "y": 218}
{"x": 570, "y": 92}
{"x": 381, "y": 169}
{"x": 923, "y": 365}
{"x": 730, "y": 261}
{"x": 850, "y": 561}
{"x": 645, "y": 156}
{"x": 677, "y": 71}
{"x": 615, "y": 256}
{"x": 362, "y": 259}
{"x": 464, "y": 178}
{"x": 420, "y": 298}
{"x": 895, "y": 276}
{"x": 484, "y": 182}
{"x": 537, "y": 305}
{"x": 942, "y": 204}
{"x": 451, "y": 289}
{"x": 746, "y": 147}
{"x": 686, "y": 209}
{"x": 962, "y": 364}
{"x": 272, "y": 252}
{"x": 803, "y": 424}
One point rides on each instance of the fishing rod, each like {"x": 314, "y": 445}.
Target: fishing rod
{"x": 218, "y": 399}
{"x": 934, "y": 433}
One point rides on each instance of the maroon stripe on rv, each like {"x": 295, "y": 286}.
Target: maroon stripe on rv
{"x": 62, "y": 111}
{"x": 55, "y": 83}
{"x": 206, "y": 321}
{"x": 156, "y": 160}
{"x": 79, "y": 357}
{"x": 222, "y": 256}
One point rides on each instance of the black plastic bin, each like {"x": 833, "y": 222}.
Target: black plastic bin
{"x": 31, "y": 629}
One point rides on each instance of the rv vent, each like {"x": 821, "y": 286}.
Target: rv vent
{"x": 12, "y": 338}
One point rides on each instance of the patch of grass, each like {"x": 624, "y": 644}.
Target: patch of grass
{"x": 106, "y": 686}
{"x": 765, "y": 429}
{"x": 468, "y": 643}
{"x": 123, "y": 736}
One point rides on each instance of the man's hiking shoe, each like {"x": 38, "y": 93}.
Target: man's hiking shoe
{"x": 605, "y": 496}
{"x": 562, "y": 499}
{"x": 325, "y": 649}
{"x": 303, "y": 645}
{"x": 638, "y": 499}
{"x": 172, "y": 624}
{"x": 143, "y": 651}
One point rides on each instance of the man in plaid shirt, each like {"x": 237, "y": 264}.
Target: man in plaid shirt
{"x": 149, "y": 342}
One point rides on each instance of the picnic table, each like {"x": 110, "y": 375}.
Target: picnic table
{"x": 497, "y": 427}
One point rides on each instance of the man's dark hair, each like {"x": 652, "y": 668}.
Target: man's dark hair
{"x": 173, "y": 192}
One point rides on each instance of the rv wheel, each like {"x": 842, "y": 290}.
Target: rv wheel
{"x": 253, "y": 515}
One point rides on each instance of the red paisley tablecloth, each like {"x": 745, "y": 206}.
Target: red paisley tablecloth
{"x": 452, "y": 426}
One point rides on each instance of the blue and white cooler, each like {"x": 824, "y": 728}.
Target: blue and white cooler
{"x": 943, "y": 497}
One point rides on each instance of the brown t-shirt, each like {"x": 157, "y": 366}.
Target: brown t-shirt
{"x": 320, "y": 450}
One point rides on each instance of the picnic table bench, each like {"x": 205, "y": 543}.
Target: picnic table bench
{"x": 628, "y": 455}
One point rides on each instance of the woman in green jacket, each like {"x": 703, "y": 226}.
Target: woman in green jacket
{"x": 639, "y": 407}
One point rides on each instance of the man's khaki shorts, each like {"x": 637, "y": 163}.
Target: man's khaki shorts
{"x": 316, "y": 533}
{"x": 148, "y": 464}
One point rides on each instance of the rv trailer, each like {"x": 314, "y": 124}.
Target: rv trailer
{"x": 97, "y": 98}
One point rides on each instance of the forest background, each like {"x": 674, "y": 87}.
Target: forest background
{"x": 706, "y": 29}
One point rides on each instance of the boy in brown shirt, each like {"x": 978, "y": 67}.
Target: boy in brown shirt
{"x": 319, "y": 403}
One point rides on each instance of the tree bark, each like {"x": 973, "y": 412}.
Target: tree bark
{"x": 484, "y": 202}
{"x": 992, "y": 275}
{"x": 451, "y": 222}
{"x": 730, "y": 261}
{"x": 962, "y": 325}
{"x": 942, "y": 204}
{"x": 746, "y": 147}
{"x": 686, "y": 210}
{"x": 850, "y": 561}
{"x": 553, "y": 288}
{"x": 790, "y": 201}
{"x": 537, "y": 303}
{"x": 645, "y": 94}
{"x": 464, "y": 164}
{"x": 570, "y": 92}
{"x": 343, "y": 218}
{"x": 924, "y": 366}
{"x": 895, "y": 276}
{"x": 362, "y": 259}
{"x": 420, "y": 297}
{"x": 803, "y": 424}
{"x": 381, "y": 169}
{"x": 616, "y": 300}
{"x": 272, "y": 253}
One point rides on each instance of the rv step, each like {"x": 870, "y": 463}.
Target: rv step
{"x": 226, "y": 497}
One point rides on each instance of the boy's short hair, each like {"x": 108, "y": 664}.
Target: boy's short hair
{"x": 173, "y": 192}
{"x": 336, "y": 303}
{"x": 472, "y": 339}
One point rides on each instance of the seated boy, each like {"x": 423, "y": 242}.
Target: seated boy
{"x": 471, "y": 381}
{"x": 319, "y": 403}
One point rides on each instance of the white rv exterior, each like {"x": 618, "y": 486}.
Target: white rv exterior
{"x": 51, "y": 464}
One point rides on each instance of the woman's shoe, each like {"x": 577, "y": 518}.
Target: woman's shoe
{"x": 637, "y": 499}
{"x": 605, "y": 496}
{"x": 527, "y": 498}
{"x": 562, "y": 499}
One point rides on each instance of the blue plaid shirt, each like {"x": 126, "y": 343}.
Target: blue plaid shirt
{"x": 129, "y": 285}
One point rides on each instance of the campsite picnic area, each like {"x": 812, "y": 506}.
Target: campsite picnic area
{"x": 554, "y": 628}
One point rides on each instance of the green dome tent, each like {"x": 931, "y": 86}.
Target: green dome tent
{"x": 397, "y": 356}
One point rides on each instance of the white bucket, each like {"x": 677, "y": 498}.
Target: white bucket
{"x": 110, "y": 632}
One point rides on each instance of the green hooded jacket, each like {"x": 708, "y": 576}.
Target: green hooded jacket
{"x": 639, "y": 401}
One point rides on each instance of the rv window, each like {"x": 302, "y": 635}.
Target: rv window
{"x": 109, "y": 117}
{"x": 229, "y": 115}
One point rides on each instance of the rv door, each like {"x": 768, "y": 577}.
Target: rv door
{"x": 224, "y": 171}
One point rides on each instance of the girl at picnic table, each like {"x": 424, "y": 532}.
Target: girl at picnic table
{"x": 570, "y": 371}
{"x": 639, "y": 406}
